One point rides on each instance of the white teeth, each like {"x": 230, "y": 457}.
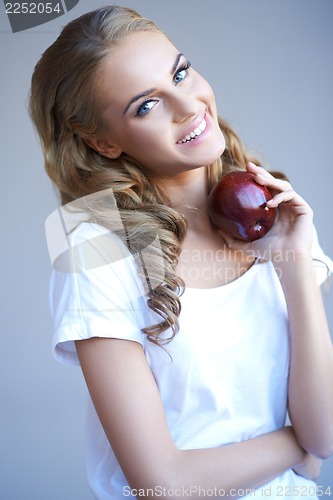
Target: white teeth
{"x": 202, "y": 125}
{"x": 195, "y": 133}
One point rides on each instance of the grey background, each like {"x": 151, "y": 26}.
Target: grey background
{"x": 270, "y": 64}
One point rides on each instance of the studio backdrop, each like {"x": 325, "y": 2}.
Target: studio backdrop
{"x": 270, "y": 65}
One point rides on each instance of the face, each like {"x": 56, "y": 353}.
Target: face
{"x": 156, "y": 108}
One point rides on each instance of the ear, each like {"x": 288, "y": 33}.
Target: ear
{"x": 105, "y": 148}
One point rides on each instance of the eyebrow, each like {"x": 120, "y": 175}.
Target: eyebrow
{"x": 150, "y": 91}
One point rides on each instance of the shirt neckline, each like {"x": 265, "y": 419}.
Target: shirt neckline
{"x": 229, "y": 285}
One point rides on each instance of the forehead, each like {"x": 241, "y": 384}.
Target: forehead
{"x": 138, "y": 46}
{"x": 136, "y": 64}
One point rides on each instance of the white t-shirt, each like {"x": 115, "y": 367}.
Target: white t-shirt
{"x": 224, "y": 376}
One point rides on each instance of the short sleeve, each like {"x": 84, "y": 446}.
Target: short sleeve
{"x": 323, "y": 263}
{"x": 95, "y": 296}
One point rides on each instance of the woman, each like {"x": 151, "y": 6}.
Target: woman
{"x": 193, "y": 345}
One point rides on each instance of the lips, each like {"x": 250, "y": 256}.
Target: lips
{"x": 194, "y": 133}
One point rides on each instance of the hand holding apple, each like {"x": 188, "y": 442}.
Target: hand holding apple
{"x": 237, "y": 205}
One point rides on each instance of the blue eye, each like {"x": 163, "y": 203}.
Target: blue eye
{"x": 181, "y": 73}
{"x": 145, "y": 107}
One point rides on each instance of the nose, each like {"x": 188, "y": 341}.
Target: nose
{"x": 184, "y": 106}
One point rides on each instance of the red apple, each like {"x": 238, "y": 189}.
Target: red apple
{"x": 237, "y": 205}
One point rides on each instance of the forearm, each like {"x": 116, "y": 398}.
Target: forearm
{"x": 142, "y": 441}
{"x": 229, "y": 470}
{"x": 311, "y": 368}
{"x": 245, "y": 465}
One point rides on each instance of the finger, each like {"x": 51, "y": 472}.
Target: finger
{"x": 284, "y": 197}
{"x": 264, "y": 178}
{"x": 281, "y": 197}
{"x": 272, "y": 183}
{"x": 257, "y": 170}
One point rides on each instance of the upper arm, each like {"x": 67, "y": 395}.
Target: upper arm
{"x": 129, "y": 407}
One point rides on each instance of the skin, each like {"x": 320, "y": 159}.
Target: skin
{"x": 180, "y": 99}
{"x": 116, "y": 371}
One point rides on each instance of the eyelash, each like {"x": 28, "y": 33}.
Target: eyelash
{"x": 185, "y": 68}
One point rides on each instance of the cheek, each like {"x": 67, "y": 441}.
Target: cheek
{"x": 142, "y": 136}
{"x": 143, "y": 142}
{"x": 202, "y": 83}
{"x": 208, "y": 95}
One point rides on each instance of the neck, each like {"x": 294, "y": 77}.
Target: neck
{"x": 187, "y": 192}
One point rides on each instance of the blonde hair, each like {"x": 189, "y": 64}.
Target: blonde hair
{"x": 66, "y": 113}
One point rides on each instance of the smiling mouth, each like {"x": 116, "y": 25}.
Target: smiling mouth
{"x": 194, "y": 134}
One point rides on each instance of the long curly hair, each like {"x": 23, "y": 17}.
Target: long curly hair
{"x": 66, "y": 114}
